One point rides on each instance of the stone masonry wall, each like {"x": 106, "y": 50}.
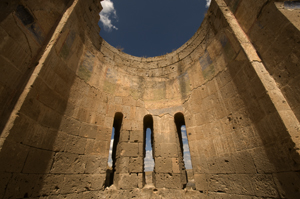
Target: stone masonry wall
{"x": 25, "y": 28}
{"x": 44, "y": 148}
{"x": 242, "y": 121}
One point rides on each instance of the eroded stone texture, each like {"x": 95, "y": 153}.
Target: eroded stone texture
{"x": 236, "y": 83}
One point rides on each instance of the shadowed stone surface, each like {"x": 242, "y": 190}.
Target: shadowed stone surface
{"x": 63, "y": 88}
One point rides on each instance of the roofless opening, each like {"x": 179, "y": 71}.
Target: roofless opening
{"x": 184, "y": 146}
{"x": 142, "y": 34}
{"x": 148, "y": 149}
{"x": 113, "y": 148}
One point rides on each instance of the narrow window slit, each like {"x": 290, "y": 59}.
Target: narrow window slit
{"x": 148, "y": 150}
{"x": 115, "y": 135}
{"x": 185, "y": 151}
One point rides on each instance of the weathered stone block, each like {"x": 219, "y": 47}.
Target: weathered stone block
{"x": 124, "y": 136}
{"x": 89, "y": 148}
{"x": 163, "y": 165}
{"x": 70, "y": 126}
{"x": 122, "y": 165}
{"x": 141, "y": 180}
{"x": 126, "y": 111}
{"x": 232, "y": 183}
{"x": 166, "y": 150}
{"x": 54, "y": 140}
{"x": 32, "y": 107}
{"x": 50, "y": 118}
{"x": 206, "y": 148}
{"x": 38, "y": 161}
{"x": 126, "y": 181}
{"x": 13, "y": 163}
{"x": 52, "y": 184}
{"x": 212, "y": 165}
{"x": 243, "y": 162}
{"x": 128, "y": 124}
{"x": 129, "y": 149}
{"x": 82, "y": 114}
{"x": 75, "y": 144}
{"x": 68, "y": 163}
{"x": 4, "y": 179}
{"x": 136, "y": 165}
{"x": 110, "y": 110}
{"x": 175, "y": 165}
{"x": 201, "y": 182}
{"x": 95, "y": 164}
{"x": 94, "y": 181}
{"x": 27, "y": 185}
{"x": 88, "y": 130}
{"x": 74, "y": 183}
{"x": 118, "y": 100}
{"x": 264, "y": 185}
{"x": 261, "y": 161}
{"x": 169, "y": 181}
{"x": 225, "y": 164}
{"x": 101, "y": 148}
{"x": 199, "y": 164}
{"x": 129, "y": 101}
{"x": 137, "y": 136}
{"x": 288, "y": 184}
{"x": 108, "y": 122}
{"x": 142, "y": 149}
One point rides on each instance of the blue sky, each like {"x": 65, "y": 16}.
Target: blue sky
{"x": 150, "y": 28}
{"x": 186, "y": 149}
{"x": 148, "y": 160}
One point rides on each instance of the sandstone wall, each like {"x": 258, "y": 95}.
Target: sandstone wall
{"x": 241, "y": 120}
{"x": 26, "y": 27}
{"x": 44, "y": 143}
{"x": 273, "y": 28}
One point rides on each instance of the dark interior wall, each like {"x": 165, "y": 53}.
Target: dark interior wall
{"x": 49, "y": 147}
{"x": 221, "y": 133}
{"x": 234, "y": 123}
{"x": 25, "y": 28}
{"x": 273, "y": 28}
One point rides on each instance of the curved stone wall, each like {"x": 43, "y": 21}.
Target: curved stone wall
{"x": 242, "y": 127}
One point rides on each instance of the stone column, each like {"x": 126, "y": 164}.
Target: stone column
{"x": 168, "y": 158}
{"x": 129, "y": 165}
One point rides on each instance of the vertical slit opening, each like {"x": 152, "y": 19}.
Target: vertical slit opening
{"x": 148, "y": 150}
{"x": 186, "y": 166}
{"x": 115, "y": 136}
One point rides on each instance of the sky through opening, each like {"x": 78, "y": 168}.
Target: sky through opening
{"x": 148, "y": 160}
{"x": 150, "y": 28}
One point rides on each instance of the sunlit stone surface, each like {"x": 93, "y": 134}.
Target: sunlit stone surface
{"x": 234, "y": 85}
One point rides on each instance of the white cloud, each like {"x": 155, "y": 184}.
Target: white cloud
{"x": 148, "y": 161}
{"x": 183, "y": 128}
{"x": 208, "y": 3}
{"x": 183, "y": 133}
{"x": 187, "y": 161}
{"x": 110, "y": 153}
{"x": 186, "y": 147}
{"x": 188, "y": 164}
{"x": 107, "y": 14}
{"x": 109, "y": 162}
{"x": 111, "y": 143}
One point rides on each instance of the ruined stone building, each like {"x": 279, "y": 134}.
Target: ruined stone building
{"x": 235, "y": 85}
